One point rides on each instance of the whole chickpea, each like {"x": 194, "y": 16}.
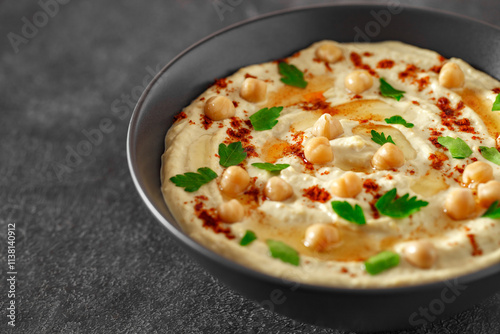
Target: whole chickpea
{"x": 358, "y": 81}
{"x": 348, "y": 185}
{"x": 451, "y": 76}
{"x": 231, "y": 212}
{"x": 477, "y": 172}
{"x": 388, "y": 156}
{"x": 253, "y": 90}
{"x": 234, "y": 181}
{"x": 318, "y": 150}
{"x": 488, "y": 193}
{"x": 321, "y": 237}
{"x": 327, "y": 126}
{"x": 420, "y": 253}
{"x": 329, "y": 52}
{"x": 218, "y": 108}
{"x": 278, "y": 189}
{"x": 460, "y": 204}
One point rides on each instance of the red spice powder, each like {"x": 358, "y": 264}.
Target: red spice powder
{"x": 415, "y": 103}
{"x": 385, "y": 63}
{"x": 235, "y": 104}
{"x": 367, "y": 54}
{"x": 358, "y": 62}
{"x": 436, "y": 68}
{"x": 250, "y": 76}
{"x": 437, "y": 160}
{"x": 180, "y": 116}
{"x": 409, "y": 72}
{"x": 375, "y": 212}
{"x": 422, "y": 83}
{"x": 371, "y": 186}
{"x": 317, "y": 194}
{"x": 356, "y": 97}
{"x": 475, "y": 247}
{"x": 205, "y": 121}
{"x": 221, "y": 83}
{"x": 496, "y": 90}
{"x": 211, "y": 220}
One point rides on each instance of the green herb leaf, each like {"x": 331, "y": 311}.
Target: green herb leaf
{"x": 353, "y": 214}
{"x": 381, "y": 262}
{"x": 496, "y": 104}
{"x": 282, "y": 251}
{"x": 458, "y": 148}
{"x": 380, "y": 139}
{"x": 490, "y": 154}
{"x": 398, "y": 208}
{"x": 399, "y": 120}
{"x": 248, "y": 238}
{"x": 193, "y": 181}
{"x": 273, "y": 168}
{"x": 388, "y": 91}
{"x": 265, "y": 119}
{"x": 232, "y": 154}
{"x": 291, "y": 75}
{"x": 493, "y": 211}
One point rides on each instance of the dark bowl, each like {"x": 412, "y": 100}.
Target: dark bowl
{"x": 272, "y": 37}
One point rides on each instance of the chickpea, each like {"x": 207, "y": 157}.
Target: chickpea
{"x": 329, "y": 52}
{"x": 389, "y": 156}
{"x": 321, "y": 237}
{"x": 218, "y": 108}
{"x": 348, "y": 185}
{"x": 231, "y": 212}
{"x": 253, "y": 90}
{"x": 420, "y": 253}
{"x": 318, "y": 150}
{"x": 358, "y": 81}
{"x": 328, "y": 127}
{"x": 460, "y": 204}
{"x": 488, "y": 193}
{"x": 451, "y": 76}
{"x": 477, "y": 172}
{"x": 278, "y": 189}
{"x": 234, "y": 181}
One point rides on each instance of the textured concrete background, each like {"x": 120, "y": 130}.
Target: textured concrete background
{"x": 90, "y": 257}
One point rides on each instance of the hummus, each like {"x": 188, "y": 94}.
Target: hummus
{"x": 444, "y": 235}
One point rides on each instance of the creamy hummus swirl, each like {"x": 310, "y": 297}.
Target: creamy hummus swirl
{"x": 429, "y": 172}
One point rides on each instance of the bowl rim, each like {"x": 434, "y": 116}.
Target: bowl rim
{"x": 206, "y": 252}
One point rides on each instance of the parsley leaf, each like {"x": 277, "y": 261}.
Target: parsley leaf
{"x": 232, "y": 154}
{"x": 193, "y": 181}
{"x": 270, "y": 167}
{"x": 345, "y": 210}
{"x": 265, "y": 119}
{"x": 458, "y": 148}
{"x": 380, "y": 139}
{"x": 282, "y": 251}
{"x": 389, "y": 91}
{"x": 496, "y": 104}
{"x": 399, "y": 120}
{"x": 490, "y": 154}
{"x": 248, "y": 238}
{"x": 381, "y": 262}
{"x": 398, "y": 208}
{"x": 493, "y": 211}
{"x": 291, "y": 75}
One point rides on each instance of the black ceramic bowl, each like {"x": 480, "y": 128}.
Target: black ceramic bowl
{"x": 279, "y": 35}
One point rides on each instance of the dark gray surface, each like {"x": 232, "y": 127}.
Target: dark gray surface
{"x": 90, "y": 257}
